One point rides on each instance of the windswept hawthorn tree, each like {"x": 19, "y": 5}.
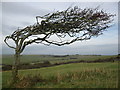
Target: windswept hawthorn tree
{"x": 76, "y": 23}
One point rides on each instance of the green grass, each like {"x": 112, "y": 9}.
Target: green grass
{"x": 8, "y": 59}
{"x": 77, "y": 75}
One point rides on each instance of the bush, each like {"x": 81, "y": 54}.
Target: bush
{"x": 46, "y": 62}
{"x": 29, "y": 81}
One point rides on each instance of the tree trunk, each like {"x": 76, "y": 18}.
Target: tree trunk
{"x": 15, "y": 67}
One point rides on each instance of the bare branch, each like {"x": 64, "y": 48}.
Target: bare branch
{"x": 60, "y": 43}
{"x": 5, "y": 40}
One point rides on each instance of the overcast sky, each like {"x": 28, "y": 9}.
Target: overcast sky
{"x": 22, "y": 14}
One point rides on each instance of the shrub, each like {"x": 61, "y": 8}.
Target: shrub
{"x": 46, "y": 62}
{"x": 29, "y": 81}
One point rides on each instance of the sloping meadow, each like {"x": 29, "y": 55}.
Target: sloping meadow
{"x": 76, "y": 75}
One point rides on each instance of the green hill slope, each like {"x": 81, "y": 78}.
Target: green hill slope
{"x": 77, "y": 75}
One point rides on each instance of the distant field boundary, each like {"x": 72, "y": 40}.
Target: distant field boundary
{"x": 40, "y": 65}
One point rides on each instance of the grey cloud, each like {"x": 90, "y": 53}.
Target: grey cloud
{"x": 6, "y": 29}
{"x": 23, "y": 14}
{"x": 109, "y": 49}
{"x": 18, "y": 14}
{"x": 21, "y": 8}
{"x": 92, "y": 49}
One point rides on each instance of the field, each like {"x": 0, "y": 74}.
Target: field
{"x": 74, "y": 75}
{"x": 8, "y": 59}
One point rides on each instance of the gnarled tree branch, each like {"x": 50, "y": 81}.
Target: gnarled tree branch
{"x": 5, "y": 40}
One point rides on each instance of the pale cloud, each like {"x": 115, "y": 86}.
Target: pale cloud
{"x": 107, "y": 49}
{"x": 23, "y": 14}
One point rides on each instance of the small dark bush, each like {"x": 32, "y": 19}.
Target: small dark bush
{"x": 6, "y": 67}
{"x": 73, "y": 58}
{"x": 46, "y": 62}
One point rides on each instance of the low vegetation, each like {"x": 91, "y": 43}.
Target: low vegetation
{"x": 66, "y": 59}
{"x": 75, "y": 75}
{"x": 8, "y": 59}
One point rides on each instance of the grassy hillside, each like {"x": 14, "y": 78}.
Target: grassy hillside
{"x": 8, "y": 59}
{"x": 77, "y": 75}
